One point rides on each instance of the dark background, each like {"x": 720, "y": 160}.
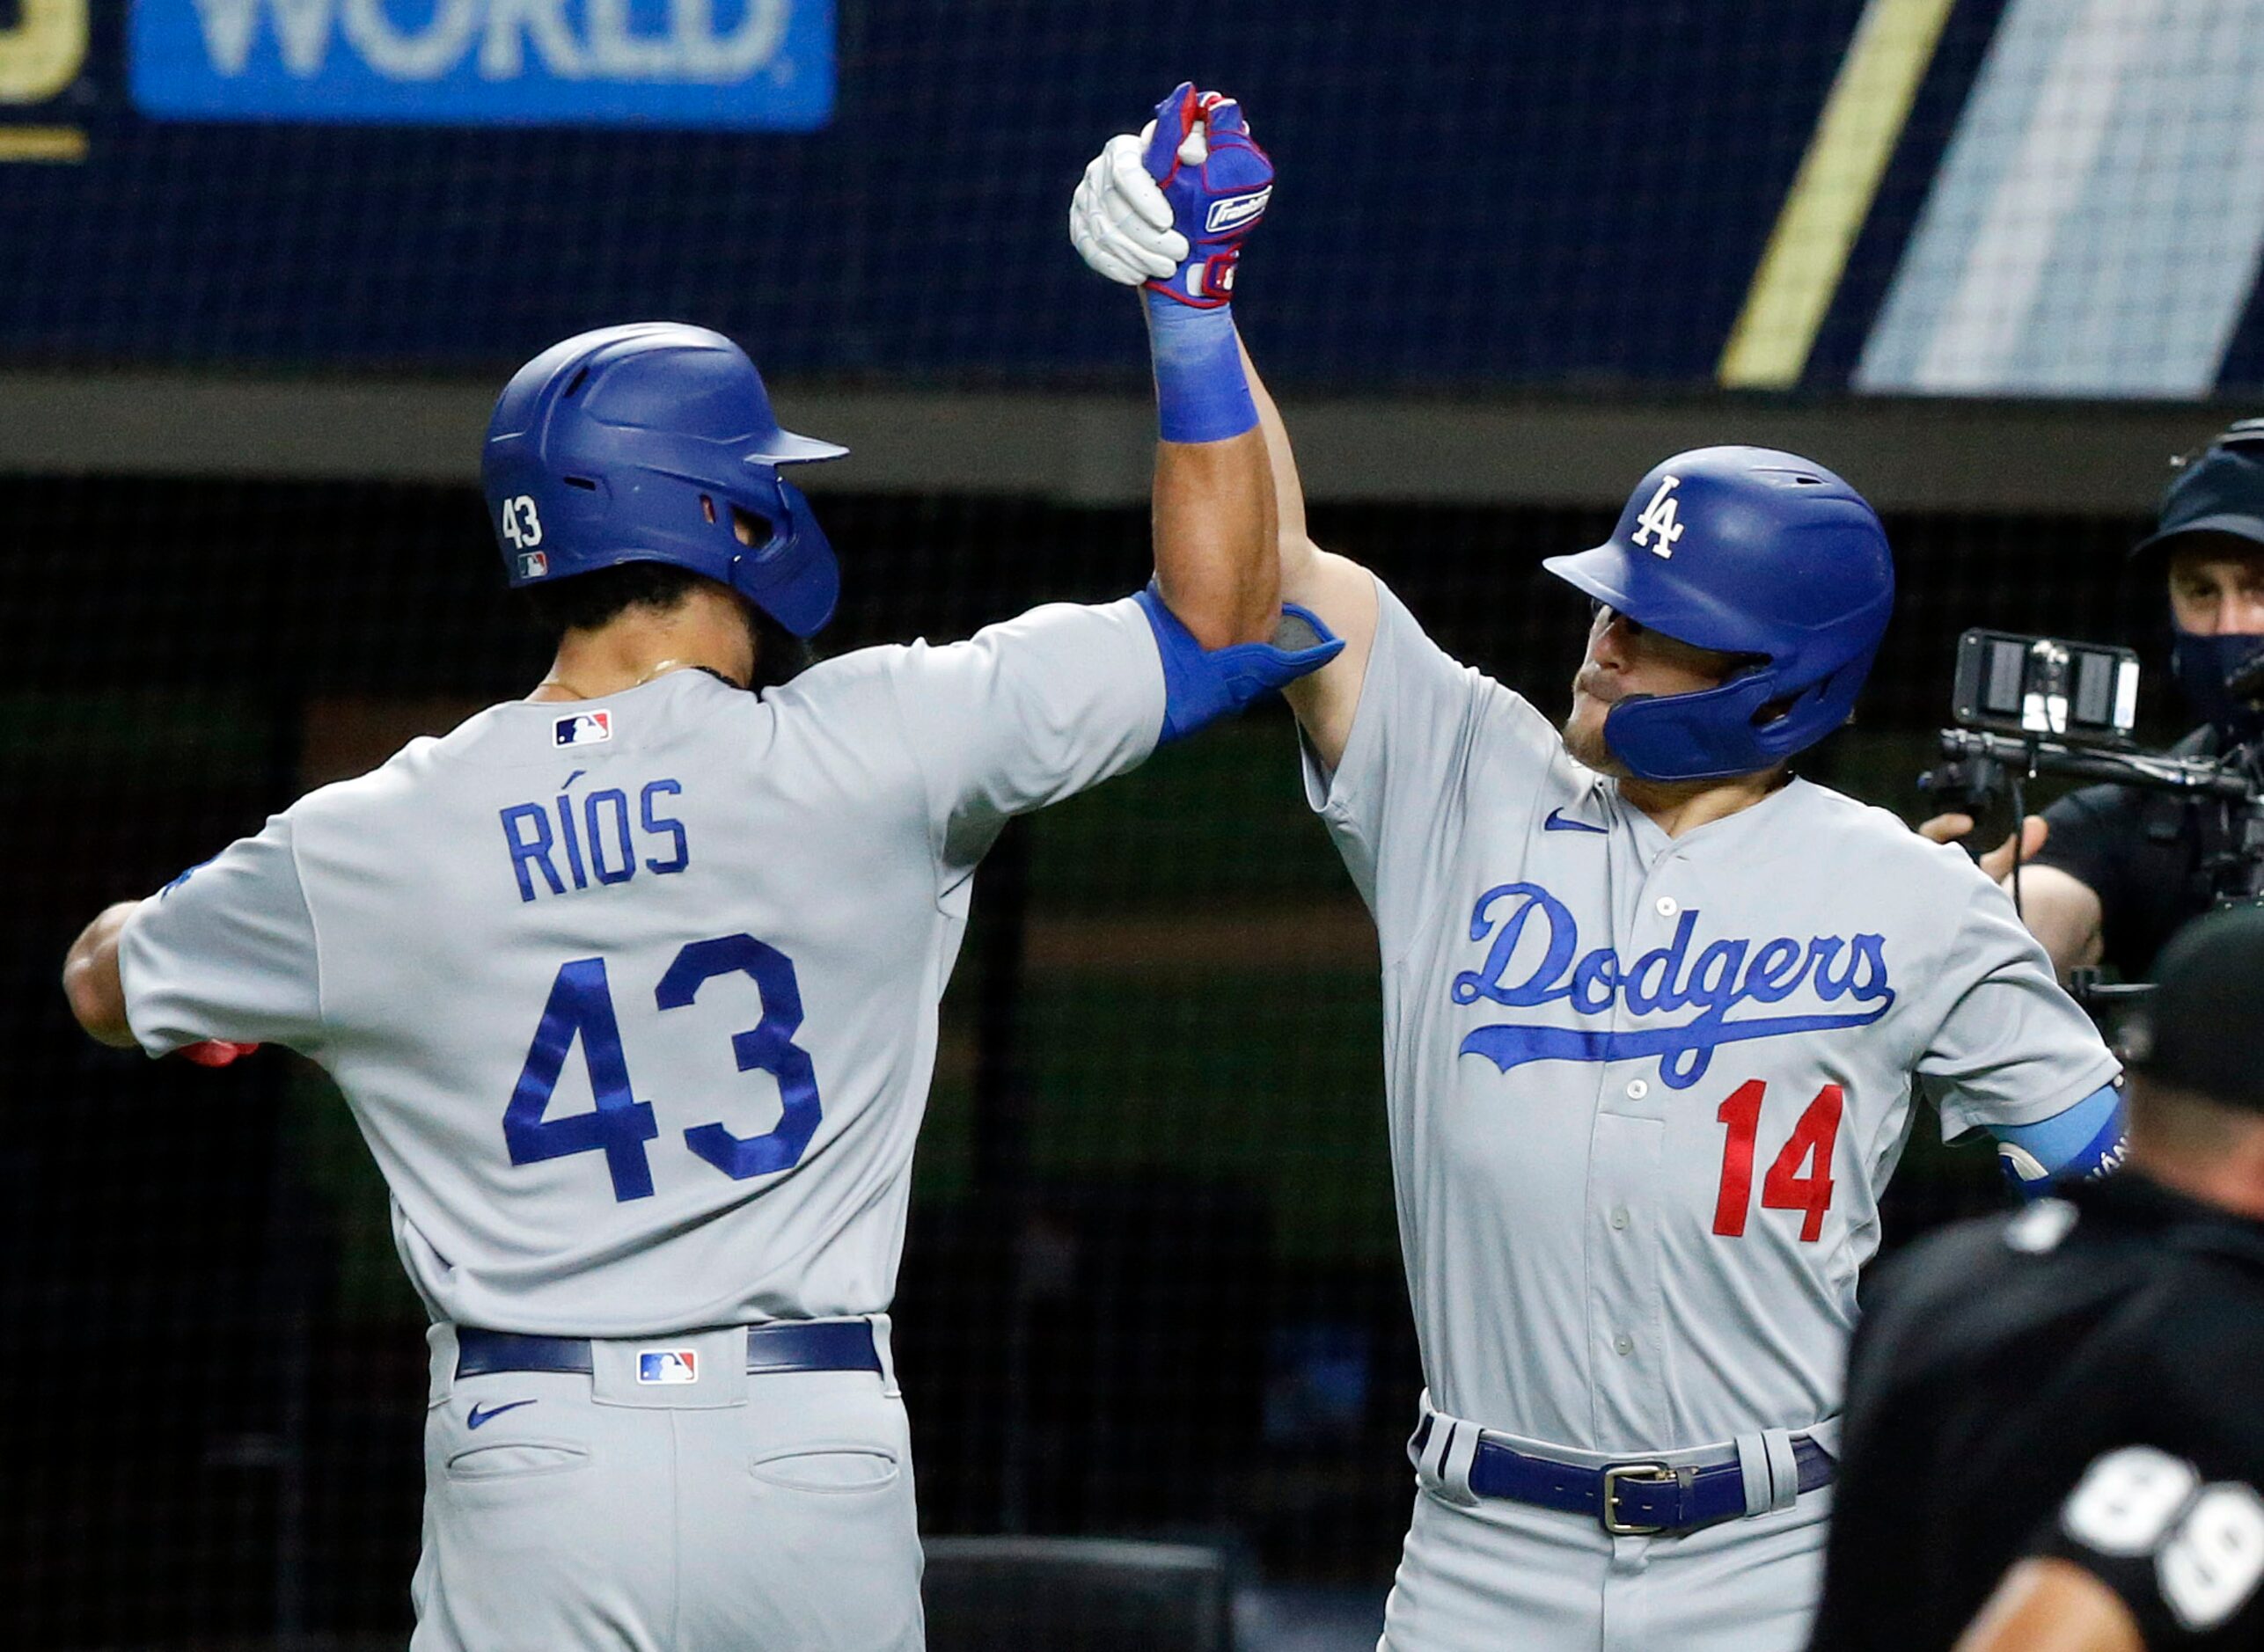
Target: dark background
{"x": 1152, "y": 1283}
{"x": 1543, "y": 192}
{"x": 894, "y": 240}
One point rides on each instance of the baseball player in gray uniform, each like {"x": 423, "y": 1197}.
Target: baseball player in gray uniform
{"x": 632, "y": 985}
{"x": 1656, "y": 1015}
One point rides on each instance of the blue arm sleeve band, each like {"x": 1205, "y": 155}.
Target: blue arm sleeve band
{"x": 1202, "y": 685}
{"x": 1201, "y": 392}
{"x": 2078, "y": 1143}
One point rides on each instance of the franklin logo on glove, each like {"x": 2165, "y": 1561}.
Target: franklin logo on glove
{"x": 1238, "y": 210}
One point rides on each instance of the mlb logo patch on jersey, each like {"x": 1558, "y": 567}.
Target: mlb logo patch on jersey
{"x": 668, "y": 1366}
{"x": 583, "y": 728}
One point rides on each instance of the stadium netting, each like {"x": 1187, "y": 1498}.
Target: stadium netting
{"x": 1152, "y": 1288}
{"x": 1151, "y": 1285}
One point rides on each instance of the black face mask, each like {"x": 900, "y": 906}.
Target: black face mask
{"x": 2222, "y": 677}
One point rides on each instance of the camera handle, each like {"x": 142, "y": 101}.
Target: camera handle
{"x": 1980, "y": 757}
{"x": 1973, "y": 773}
{"x": 2087, "y": 986}
{"x": 1977, "y": 767}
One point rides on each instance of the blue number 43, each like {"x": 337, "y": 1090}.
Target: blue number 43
{"x": 581, "y": 1008}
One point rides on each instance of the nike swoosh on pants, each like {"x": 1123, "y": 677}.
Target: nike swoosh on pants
{"x": 488, "y": 1413}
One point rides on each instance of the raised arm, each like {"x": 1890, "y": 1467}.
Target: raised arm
{"x": 1214, "y": 527}
{"x": 1144, "y": 215}
{"x": 1336, "y": 589}
{"x": 1167, "y": 211}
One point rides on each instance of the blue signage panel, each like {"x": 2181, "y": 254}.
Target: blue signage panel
{"x": 877, "y": 191}
{"x": 764, "y": 64}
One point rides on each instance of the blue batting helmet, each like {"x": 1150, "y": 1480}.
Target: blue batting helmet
{"x": 1748, "y": 552}
{"x": 632, "y": 444}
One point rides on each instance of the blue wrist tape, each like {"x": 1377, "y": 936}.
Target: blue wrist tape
{"x": 1201, "y": 685}
{"x": 1201, "y": 392}
{"x": 2078, "y": 1143}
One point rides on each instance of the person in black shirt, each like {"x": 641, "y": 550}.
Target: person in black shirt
{"x": 2112, "y": 871}
{"x": 2055, "y": 1425}
{"x": 2134, "y": 867}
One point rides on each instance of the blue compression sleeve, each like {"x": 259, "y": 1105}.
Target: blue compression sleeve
{"x": 1201, "y": 392}
{"x": 2078, "y": 1143}
{"x": 1202, "y": 685}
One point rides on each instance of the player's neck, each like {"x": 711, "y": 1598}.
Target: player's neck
{"x": 1677, "y": 806}
{"x": 707, "y": 632}
{"x": 2230, "y": 1182}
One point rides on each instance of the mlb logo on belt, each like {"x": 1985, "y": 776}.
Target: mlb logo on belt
{"x": 668, "y": 1366}
{"x": 583, "y": 728}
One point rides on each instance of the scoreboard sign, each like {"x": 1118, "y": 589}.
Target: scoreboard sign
{"x": 44, "y": 51}
{"x": 765, "y": 64}
{"x": 1907, "y": 197}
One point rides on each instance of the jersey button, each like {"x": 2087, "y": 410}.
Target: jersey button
{"x": 1667, "y": 906}
{"x": 1637, "y": 1089}
{"x": 1622, "y": 1345}
{"x": 1619, "y": 1215}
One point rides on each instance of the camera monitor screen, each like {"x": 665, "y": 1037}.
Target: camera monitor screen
{"x": 2084, "y": 693}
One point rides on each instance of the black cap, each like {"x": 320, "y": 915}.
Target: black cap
{"x": 2204, "y": 1029}
{"x": 2218, "y": 490}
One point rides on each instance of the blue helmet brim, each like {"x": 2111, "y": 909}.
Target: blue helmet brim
{"x": 1601, "y": 574}
{"x": 789, "y": 448}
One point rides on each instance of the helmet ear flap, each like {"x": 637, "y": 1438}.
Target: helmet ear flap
{"x": 792, "y": 576}
{"x": 1709, "y": 734}
{"x": 1784, "y": 706}
{"x": 1826, "y": 702}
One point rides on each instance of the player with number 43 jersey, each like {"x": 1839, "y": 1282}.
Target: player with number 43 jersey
{"x": 1657, "y": 1014}
{"x": 632, "y": 986}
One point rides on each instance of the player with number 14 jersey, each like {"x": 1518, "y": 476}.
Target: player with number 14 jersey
{"x": 1656, "y": 1015}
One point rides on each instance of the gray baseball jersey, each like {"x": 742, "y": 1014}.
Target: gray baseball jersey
{"x": 1644, "y": 1091}
{"x": 634, "y": 999}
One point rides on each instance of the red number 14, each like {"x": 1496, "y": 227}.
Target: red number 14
{"x": 1799, "y": 1178}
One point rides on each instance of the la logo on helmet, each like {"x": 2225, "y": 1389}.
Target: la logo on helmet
{"x": 1659, "y": 517}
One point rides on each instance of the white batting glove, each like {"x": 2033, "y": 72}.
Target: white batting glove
{"x": 1118, "y": 220}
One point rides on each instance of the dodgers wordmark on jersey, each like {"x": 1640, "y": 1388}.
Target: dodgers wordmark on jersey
{"x": 635, "y": 1000}
{"x": 1644, "y": 1091}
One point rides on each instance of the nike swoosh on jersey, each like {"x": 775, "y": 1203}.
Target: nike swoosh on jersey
{"x": 488, "y": 1413}
{"x": 1557, "y": 822}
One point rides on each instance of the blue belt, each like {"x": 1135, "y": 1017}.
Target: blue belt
{"x": 785, "y": 1346}
{"x": 1632, "y": 1498}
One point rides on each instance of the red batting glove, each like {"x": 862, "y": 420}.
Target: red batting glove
{"x": 213, "y": 1052}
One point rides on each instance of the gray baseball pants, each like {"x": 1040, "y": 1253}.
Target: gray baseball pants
{"x": 732, "y": 1513}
